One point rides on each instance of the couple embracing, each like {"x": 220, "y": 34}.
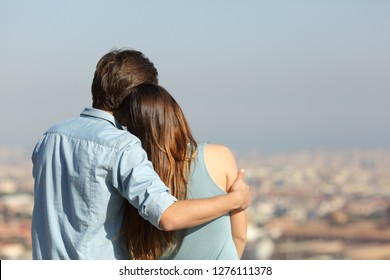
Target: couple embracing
{"x": 127, "y": 180}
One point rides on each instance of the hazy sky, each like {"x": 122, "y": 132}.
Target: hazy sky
{"x": 273, "y": 76}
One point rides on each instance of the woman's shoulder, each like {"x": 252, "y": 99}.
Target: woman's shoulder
{"x": 219, "y": 150}
{"x": 221, "y": 163}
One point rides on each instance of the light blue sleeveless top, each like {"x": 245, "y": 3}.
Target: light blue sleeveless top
{"x": 210, "y": 241}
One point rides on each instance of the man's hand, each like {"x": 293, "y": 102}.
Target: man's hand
{"x": 240, "y": 190}
{"x": 192, "y": 212}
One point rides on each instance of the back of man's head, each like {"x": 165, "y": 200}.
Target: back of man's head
{"x": 117, "y": 72}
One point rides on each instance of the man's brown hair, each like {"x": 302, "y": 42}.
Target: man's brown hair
{"x": 117, "y": 72}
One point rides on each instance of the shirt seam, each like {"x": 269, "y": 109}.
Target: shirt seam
{"x": 118, "y": 147}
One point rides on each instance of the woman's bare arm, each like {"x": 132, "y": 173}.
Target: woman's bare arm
{"x": 222, "y": 167}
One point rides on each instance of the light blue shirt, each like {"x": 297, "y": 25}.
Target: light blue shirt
{"x": 83, "y": 169}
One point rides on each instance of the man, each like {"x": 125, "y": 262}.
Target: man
{"x": 84, "y": 168}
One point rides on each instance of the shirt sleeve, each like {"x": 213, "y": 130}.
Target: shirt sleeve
{"x": 140, "y": 184}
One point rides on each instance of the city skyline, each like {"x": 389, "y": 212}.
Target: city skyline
{"x": 309, "y": 205}
{"x": 266, "y": 76}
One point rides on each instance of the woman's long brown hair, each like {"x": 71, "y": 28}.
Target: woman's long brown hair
{"x": 153, "y": 115}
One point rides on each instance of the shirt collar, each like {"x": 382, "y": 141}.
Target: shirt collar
{"x": 97, "y": 113}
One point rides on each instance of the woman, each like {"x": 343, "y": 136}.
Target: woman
{"x": 191, "y": 170}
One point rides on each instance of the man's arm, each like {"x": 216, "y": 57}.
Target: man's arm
{"x": 133, "y": 175}
{"x": 193, "y": 212}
